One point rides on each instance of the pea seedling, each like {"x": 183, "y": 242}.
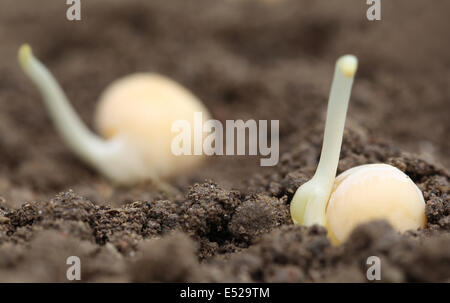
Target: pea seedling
{"x": 360, "y": 194}
{"x": 134, "y": 116}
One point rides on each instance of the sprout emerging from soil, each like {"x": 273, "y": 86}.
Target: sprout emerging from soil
{"x": 134, "y": 116}
{"x": 360, "y": 194}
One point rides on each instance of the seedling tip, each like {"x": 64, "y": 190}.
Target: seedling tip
{"x": 348, "y": 65}
{"x": 25, "y": 53}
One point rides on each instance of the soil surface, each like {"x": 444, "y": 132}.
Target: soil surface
{"x": 230, "y": 219}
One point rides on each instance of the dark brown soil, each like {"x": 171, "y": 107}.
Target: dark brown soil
{"x": 230, "y": 220}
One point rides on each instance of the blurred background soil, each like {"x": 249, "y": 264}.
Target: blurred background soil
{"x": 245, "y": 59}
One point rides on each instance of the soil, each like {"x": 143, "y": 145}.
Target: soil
{"x": 230, "y": 219}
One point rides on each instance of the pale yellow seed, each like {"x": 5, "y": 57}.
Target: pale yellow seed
{"x": 141, "y": 108}
{"x": 371, "y": 192}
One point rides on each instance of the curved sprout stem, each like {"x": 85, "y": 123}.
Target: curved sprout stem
{"x": 336, "y": 113}
{"x": 112, "y": 158}
{"x": 309, "y": 203}
{"x": 80, "y": 139}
